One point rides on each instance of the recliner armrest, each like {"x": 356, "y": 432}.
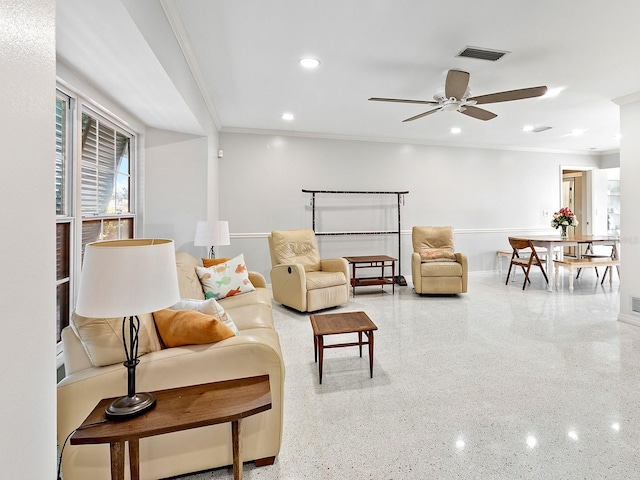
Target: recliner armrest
{"x": 289, "y": 285}
{"x": 335, "y": 265}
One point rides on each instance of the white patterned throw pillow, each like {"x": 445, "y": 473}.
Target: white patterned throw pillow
{"x": 225, "y": 279}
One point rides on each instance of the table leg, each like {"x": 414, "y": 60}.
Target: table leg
{"x": 556, "y": 271}
{"x": 315, "y": 349}
{"x": 134, "y": 458}
{"x": 550, "y": 269}
{"x": 353, "y": 278}
{"x": 393, "y": 277}
{"x": 360, "y": 343}
{"x": 116, "y": 449}
{"x": 321, "y": 355}
{"x": 236, "y": 441}
{"x": 571, "y": 278}
{"x": 370, "y": 337}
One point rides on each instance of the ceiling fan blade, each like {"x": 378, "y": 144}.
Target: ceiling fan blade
{"x": 510, "y": 95}
{"x": 456, "y": 84}
{"x": 478, "y": 113}
{"x": 422, "y": 115}
{"x": 399, "y": 100}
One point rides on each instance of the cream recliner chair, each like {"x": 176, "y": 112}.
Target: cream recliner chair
{"x": 299, "y": 278}
{"x": 435, "y": 266}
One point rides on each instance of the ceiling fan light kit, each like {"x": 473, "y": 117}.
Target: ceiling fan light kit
{"x": 456, "y": 98}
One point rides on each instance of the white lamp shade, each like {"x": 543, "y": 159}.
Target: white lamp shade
{"x": 122, "y": 278}
{"x": 212, "y": 233}
{"x": 204, "y": 234}
{"x": 221, "y": 233}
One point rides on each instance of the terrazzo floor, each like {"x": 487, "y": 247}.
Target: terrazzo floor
{"x": 498, "y": 383}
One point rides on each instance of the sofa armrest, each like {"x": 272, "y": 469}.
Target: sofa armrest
{"x": 289, "y": 285}
{"x": 241, "y": 356}
{"x": 257, "y": 280}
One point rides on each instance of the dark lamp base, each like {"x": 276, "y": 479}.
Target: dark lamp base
{"x": 129, "y": 407}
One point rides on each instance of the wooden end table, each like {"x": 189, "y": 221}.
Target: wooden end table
{"x": 372, "y": 261}
{"x": 336, "y": 323}
{"x": 178, "y": 409}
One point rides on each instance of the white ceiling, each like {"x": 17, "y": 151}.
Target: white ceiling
{"x": 244, "y": 56}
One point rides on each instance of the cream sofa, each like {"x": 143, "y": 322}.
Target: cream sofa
{"x": 255, "y": 351}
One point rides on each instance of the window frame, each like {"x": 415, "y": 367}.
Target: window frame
{"x": 79, "y": 104}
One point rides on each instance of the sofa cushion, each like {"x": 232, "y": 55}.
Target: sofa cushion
{"x": 212, "y": 262}
{"x": 226, "y": 279}
{"x": 259, "y": 295}
{"x": 440, "y": 269}
{"x": 188, "y": 281}
{"x": 317, "y": 280}
{"x": 208, "y": 307}
{"x": 188, "y": 327}
{"x": 101, "y": 338}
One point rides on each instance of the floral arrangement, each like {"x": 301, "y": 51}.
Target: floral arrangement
{"x": 564, "y": 218}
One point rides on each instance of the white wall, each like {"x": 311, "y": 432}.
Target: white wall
{"x": 27, "y": 248}
{"x": 176, "y": 186}
{"x": 485, "y": 194}
{"x": 629, "y": 213}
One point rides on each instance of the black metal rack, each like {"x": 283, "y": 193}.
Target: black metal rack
{"x": 400, "y": 196}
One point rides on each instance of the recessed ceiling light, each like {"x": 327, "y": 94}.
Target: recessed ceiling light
{"x": 287, "y": 116}
{"x": 456, "y": 130}
{"x": 527, "y": 128}
{"x": 309, "y": 62}
{"x": 577, "y": 131}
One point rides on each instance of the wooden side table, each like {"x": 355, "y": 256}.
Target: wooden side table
{"x": 336, "y": 323}
{"x": 178, "y": 409}
{"x": 372, "y": 261}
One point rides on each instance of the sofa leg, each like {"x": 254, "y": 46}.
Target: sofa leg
{"x": 263, "y": 462}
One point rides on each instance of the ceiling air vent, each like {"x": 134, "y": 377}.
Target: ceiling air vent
{"x": 541, "y": 129}
{"x": 482, "y": 53}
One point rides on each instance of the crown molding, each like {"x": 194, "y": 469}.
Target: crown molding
{"x": 175, "y": 21}
{"x": 355, "y": 138}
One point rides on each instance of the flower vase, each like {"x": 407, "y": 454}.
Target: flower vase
{"x": 564, "y": 231}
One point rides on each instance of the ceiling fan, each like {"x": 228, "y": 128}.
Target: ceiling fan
{"x": 456, "y": 97}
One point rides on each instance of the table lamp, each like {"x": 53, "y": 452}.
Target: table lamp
{"x": 212, "y": 234}
{"x": 126, "y": 278}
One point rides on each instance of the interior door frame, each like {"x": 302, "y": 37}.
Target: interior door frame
{"x": 586, "y": 197}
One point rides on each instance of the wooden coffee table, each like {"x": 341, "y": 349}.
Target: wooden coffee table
{"x": 178, "y": 409}
{"x": 336, "y": 323}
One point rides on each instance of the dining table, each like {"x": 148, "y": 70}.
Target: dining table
{"x": 572, "y": 240}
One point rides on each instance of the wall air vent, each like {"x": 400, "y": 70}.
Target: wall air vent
{"x": 635, "y": 304}
{"x": 482, "y": 53}
{"x": 541, "y": 129}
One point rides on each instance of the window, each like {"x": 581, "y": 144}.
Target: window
{"x": 64, "y": 219}
{"x": 106, "y": 181}
{"x": 93, "y": 184}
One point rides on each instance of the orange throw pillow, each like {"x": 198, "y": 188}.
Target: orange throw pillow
{"x": 188, "y": 327}
{"x": 211, "y": 262}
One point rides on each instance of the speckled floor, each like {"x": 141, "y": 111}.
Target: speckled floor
{"x": 494, "y": 384}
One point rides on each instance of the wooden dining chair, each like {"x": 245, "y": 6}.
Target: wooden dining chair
{"x": 525, "y": 263}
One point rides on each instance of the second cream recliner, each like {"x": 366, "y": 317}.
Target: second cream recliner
{"x": 299, "y": 278}
{"x": 435, "y": 266}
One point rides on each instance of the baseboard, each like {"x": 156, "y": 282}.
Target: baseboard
{"x": 630, "y": 319}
